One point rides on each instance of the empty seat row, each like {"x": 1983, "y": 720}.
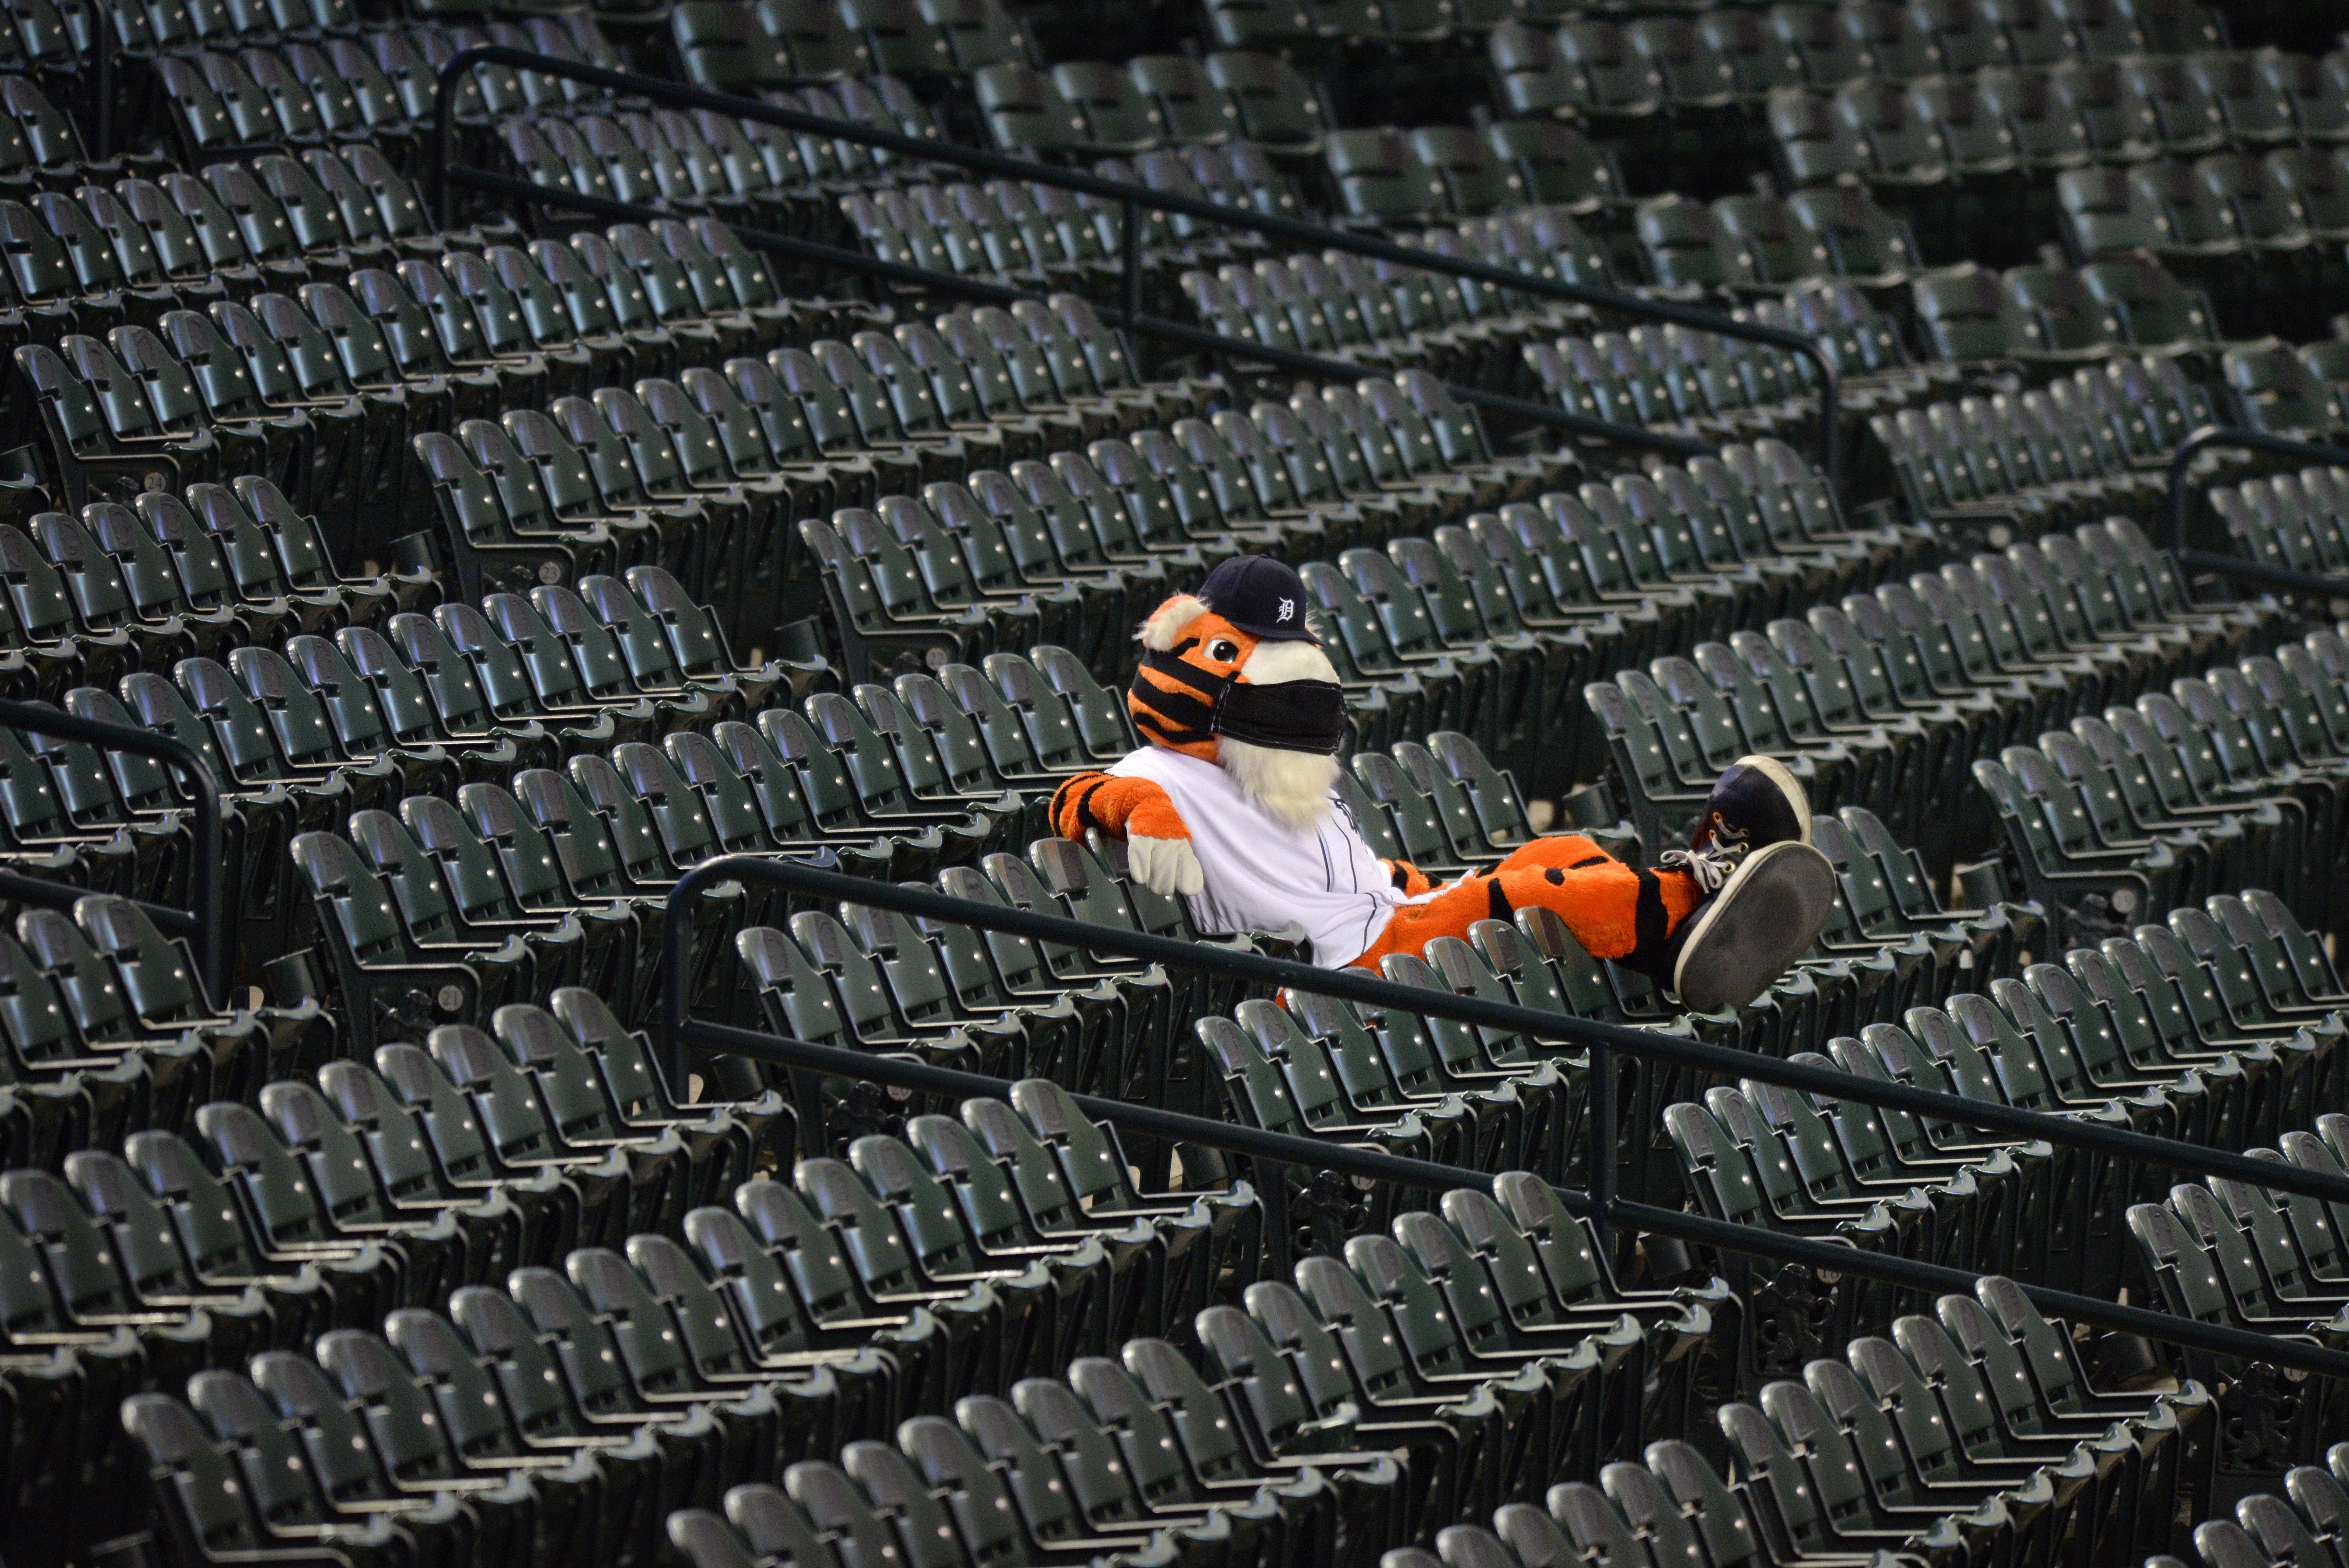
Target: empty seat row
{"x": 1480, "y": 625}
{"x": 375, "y": 85}
{"x": 2134, "y": 1031}
{"x": 261, "y": 383}
{"x": 2235, "y": 1254}
{"x": 2290, "y": 520}
{"x": 1759, "y": 245}
{"x": 111, "y": 1030}
{"x": 2121, "y": 294}
{"x": 122, "y": 248}
{"x": 1389, "y": 176}
{"x": 1678, "y": 381}
{"x": 1084, "y": 107}
{"x": 2256, "y": 748}
{"x": 730, "y": 45}
{"x": 441, "y": 1423}
{"x": 1592, "y": 63}
{"x": 2006, "y": 466}
{"x": 2047, "y": 319}
{"x": 2108, "y": 111}
{"x": 2230, "y": 220}
{"x": 137, "y": 32}
{"x": 2044, "y": 1420}
{"x": 2015, "y": 642}
{"x": 624, "y": 1379}
{"x": 710, "y": 470}
{"x": 1378, "y": 314}
{"x": 1533, "y": 1379}
{"x": 1856, "y": 1454}
{"x": 558, "y": 878}
{"x": 1026, "y": 235}
{"x": 743, "y": 170}
{"x": 2285, "y": 391}
{"x": 1156, "y": 501}
{"x": 2268, "y": 1528}
{"x": 365, "y": 708}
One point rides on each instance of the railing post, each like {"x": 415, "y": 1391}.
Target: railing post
{"x": 443, "y": 101}
{"x": 677, "y": 925}
{"x": 207, "y": 868}
{"x": 2181, "y": 504}
{"x": 101, "y": 48}
{"x": 1603, "y": 1140}
{"x": 1131, "y": 244}
{"x": 1830, "y": 415}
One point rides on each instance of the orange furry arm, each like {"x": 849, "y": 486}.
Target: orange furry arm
{"x": 1128, "y": 808}
{"x": 1409, "y": 879}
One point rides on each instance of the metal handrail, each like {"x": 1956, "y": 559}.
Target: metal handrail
{"x": 102, "y": 70}
{"x": 2181, "y": 499}
{"x": 1358, "y": 986}
{"x": 205, "y": 922}
{"x": 1133, "y": 199}
{"x": 2264, "y": 575}
{"x": 1599, "y": 1205}
{"x": 1146, "y": 325}
{"x": 2181, "y": 510}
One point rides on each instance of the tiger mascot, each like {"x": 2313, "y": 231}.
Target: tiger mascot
{"x": 1231, "y": 805}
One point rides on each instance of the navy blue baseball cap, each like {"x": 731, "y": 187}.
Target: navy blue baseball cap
{"x": 1261, "y": 596}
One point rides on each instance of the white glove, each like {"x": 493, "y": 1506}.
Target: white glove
{"x": 1164, "y": 866}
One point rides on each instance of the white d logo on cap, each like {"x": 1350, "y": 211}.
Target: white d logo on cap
{"x": 1288, "y": 608}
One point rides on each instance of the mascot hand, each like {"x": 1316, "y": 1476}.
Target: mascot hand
{"x": 1164, "y": 866}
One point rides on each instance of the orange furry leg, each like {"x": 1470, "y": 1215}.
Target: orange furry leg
{"x": 1613, "y": 911}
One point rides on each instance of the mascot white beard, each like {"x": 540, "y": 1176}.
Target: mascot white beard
{"x": 1292, "y": 787}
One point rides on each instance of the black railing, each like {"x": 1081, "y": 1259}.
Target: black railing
{"x": 2181, "y": 509}
{"x": 679, "y": 1032}
{"x": 2260, "y": 575}
{"x": 102, "y": 112}
{"x": 205, "y": 921}
{"x": 1133, "y": 199}
{"x": 1175, "y": 332}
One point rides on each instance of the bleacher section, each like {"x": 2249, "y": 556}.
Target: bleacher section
{"x": 503, "y": 559}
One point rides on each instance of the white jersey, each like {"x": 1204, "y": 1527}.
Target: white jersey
{"x": 1263, "y": 874}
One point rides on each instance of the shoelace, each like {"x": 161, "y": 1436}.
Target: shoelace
{"x": 1711, "y": 866}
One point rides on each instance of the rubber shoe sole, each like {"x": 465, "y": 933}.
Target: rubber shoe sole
{"x": 1771, "y": 909}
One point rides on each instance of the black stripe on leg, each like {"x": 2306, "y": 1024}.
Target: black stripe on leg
{"x": 1650, "y": 924}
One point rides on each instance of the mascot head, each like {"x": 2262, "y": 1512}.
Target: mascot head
{"x": 1234, "y": 675}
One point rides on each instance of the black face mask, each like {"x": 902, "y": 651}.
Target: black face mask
{"x": 1292, "y": 716}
